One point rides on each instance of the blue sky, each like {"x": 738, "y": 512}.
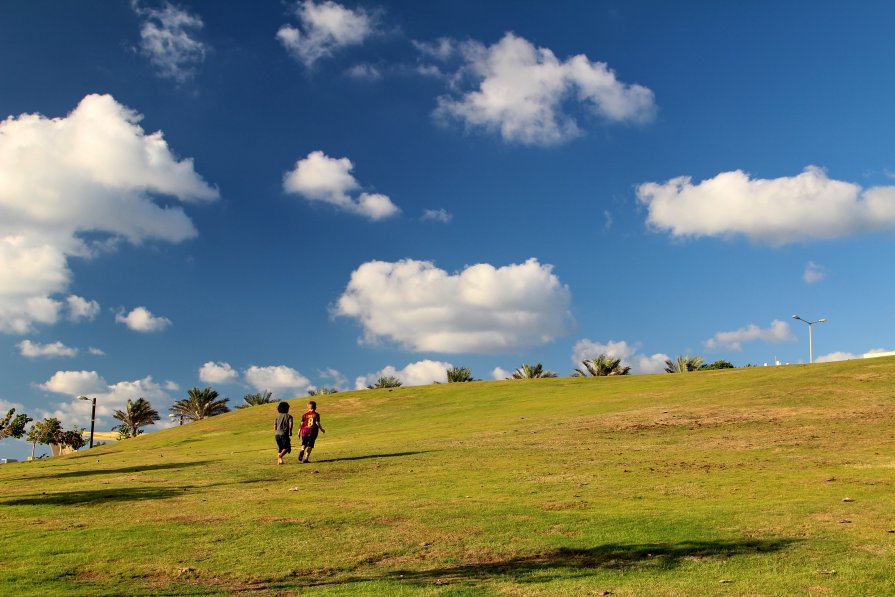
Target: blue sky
{"x": 287, "y": 195}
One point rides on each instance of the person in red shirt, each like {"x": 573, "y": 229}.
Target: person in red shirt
{"x": 310, "y": 424}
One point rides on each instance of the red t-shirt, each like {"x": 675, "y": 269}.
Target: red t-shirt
{"x": 309, "y": 422}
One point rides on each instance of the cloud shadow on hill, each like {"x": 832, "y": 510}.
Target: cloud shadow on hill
{"x": 93, "y": 496}
{"x": 87, "y": 472}
{"x": 566, "y": 563}
{"x": 368, "y": 456}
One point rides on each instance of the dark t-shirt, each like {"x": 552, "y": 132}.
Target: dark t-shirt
{"x": 309, "y": 422}
{"x": 282, "y": 423}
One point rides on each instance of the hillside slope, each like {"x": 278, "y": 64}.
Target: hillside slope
{"x": 724, "y": 482}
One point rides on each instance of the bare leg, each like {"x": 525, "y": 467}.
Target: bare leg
{"x": 307, "y": 454}
{"x": 280, "y": 455}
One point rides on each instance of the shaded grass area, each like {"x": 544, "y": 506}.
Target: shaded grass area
{"x": 666, "y": 485}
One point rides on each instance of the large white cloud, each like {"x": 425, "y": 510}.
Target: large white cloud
{"x": 523, "y": 92}
{"x": 420, "y": 373}
{"x": 323, "y": 29}
{"x": 319, "y": 177}
{"x": 778, "y": 331}
{"x": 280, "y": 380}
{"x": 776, "y": 211}
{"x": 168, "y": 38}
{"x": 55, "y": 349}
{"x": 141, "y": 319}
{"x": 109, "y": 397}
{"x": 212, "y": 372}
{"x": 481, "y": 309}
{"x": 74, "y": 383}
{"x": 628, "y": 353}
{"x": 92, "y": 172}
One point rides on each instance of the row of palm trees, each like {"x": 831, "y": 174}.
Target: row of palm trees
{"x": 200, "y": 404}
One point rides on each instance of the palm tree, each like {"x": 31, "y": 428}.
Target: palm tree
{"x": 135, "y": 415}
{"x": 531, "y": 372}
{"x": 602, "y": 366}
{"x": 459, "y": 374}
{"x": 256, "y": 399}
{"x": 683, "y": 364}
{"x": 200, "y": 404}
{"x": 386, "y": 382}
{"x": 321, "y": 391}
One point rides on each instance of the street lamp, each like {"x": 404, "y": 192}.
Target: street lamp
{"x": 92, "y": 416}
{"x": 810, "y": 336}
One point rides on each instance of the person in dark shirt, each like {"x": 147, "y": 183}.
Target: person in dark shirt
{"x": 282, "y": 427}
{"x": 310, "y": 423}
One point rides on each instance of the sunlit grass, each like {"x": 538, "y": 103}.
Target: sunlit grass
{"x": 727, "y": 482}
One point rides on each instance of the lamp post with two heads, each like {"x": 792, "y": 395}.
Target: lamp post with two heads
{"x": 810, "y": 336}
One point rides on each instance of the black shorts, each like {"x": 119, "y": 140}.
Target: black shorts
{"x": 307, "y": 441}
{"x": 284, "y": 443}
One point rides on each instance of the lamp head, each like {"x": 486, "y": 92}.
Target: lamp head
{"x": 796, "y": 317}
{"x": 83, "y": 398}
{"x": 824, "y": 320}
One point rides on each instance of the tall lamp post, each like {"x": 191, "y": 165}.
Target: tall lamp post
{"x": 92, "y": 416}
{"x": 810, "y": 336}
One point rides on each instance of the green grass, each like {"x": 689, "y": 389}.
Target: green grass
{"x": 645, "y": 485}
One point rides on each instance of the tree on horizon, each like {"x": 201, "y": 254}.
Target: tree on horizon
{"x": 683, "y": 364}
{"x": 459, "y": 375}
{"x": 385, "y": 382}
{"x": 136, "y": 414}
{"x": 200, "y": 404}
{"x": 527, "y": 371}
{"x": 602, "y": 366}
{"x": 258, "y": 398}
{"x": 322, "y": 390}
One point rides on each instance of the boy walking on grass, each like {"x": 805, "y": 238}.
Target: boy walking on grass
{"x": 282, "y": 427}
{"x": 310, "y": 423}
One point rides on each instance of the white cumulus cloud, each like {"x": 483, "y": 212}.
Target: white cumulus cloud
{"x": 323, "y": 29}
{"x": 814, "y": 273}
{"x": 524, "y": 93}
{"x": 92, "y": 172}
{"x": 56, "y": 349}
{"x": 481, "y": 309}
{"x": 74, "y": 383}
{"x": 141, "y": 319}
{"x": 836, "y": 356}
{"x": 169, "y": 39}
{"x": 777, "y": 211}
{"x": 280, "y": 380}
{"x": 501, "y": 373}
{"x": 80, "y": 308}
{"x": 437, "y": 215}
{"x": 420, "y": 373}
{"x": 334, "y": 379}
{"x": 212, "y": 373}
{"x": 109, "y": 397}
{"x": 319, "y": 177}
{"x": 778, "y": 331}
{"x": 629, "y": 354}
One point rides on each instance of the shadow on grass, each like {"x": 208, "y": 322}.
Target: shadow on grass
{"x": 93, "y": 496}
{"x": 115, "y": 471}
{"x": 368, "y": 456}
{"x": 568, "y": 563}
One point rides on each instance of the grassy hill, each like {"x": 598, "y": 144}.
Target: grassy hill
{"x": 711, "y": 483}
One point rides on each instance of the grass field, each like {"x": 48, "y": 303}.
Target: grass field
{"x": 710, "y": 483}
